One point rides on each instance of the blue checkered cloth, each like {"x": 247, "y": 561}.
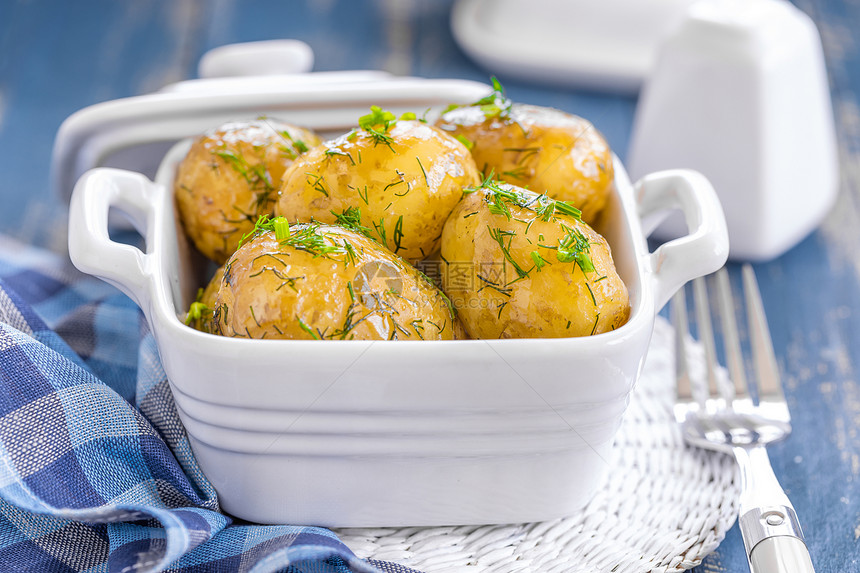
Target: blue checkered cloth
{"x": 96, "y": 473}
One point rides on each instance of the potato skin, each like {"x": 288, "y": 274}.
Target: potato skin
{"x": 540, "y": 148}
{"x": 328, "y": 291}
{"x": 202, "y": 319}
{"x": 230, "y": 177}
{"x": 207, "y": 297}
{"x": 404, "y": 188}
{"x": 552, "y": 300}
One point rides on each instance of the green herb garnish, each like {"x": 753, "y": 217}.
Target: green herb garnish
{"x": 495, "y": 286}
{"x": 332, "y": 151}
{"x": 465, "y": 141}
{"x": 574, "y": 247}
{"x": 538, "y": 260}
{"x": 307, "y": 328}
{"x": 196, "y": 312}
{"x": 380, "y": 229}
{"x": 398, "y": 234}
{"x": 377, "y": 123}
{"x": 351, "y": 219}
{"x": 317, "y": 182}
{"x": 257, "y": 176}
{"x": 499, "y": 236}
{"x": 494, "y": 105}
{"x": 426, "y": 181}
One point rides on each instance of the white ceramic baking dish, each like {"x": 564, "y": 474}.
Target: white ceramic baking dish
{"x": 358, "y": 433}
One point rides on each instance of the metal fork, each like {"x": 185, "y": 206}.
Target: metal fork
{"x": 720, "y": 414}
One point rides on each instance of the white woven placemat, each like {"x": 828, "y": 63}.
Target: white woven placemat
{"x": 663, "y": 508}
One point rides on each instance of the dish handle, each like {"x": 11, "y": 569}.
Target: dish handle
{"x": 706, "y": 246}
{"x": 91, "y": 248}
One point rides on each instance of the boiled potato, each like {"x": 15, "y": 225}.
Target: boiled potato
{"x": 326, "y": 282}
{"x": 543, "y": 149}
{"x": 200, "y": 314}
{"x": 230, "y": 177}
{"x": 521, "y": 265}
{"x": 397, "y": 180}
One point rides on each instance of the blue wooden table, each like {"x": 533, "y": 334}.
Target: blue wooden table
{"x": 58, "y": 57}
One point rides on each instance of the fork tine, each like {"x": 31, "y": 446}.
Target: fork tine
{"x": 682, "y": 329}
{"x": 731, "y": 339}
{"x": 767, "y": 371}
{"x": 706, "y": 334}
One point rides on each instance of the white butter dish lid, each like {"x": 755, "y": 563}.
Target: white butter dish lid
{"x": 135, "y": 133}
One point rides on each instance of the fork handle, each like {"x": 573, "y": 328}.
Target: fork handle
{"x": 781, "y": 555}
{"x": 769, "y": 526}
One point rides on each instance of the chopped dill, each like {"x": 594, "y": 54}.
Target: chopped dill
{"x": 465, "y": 141}
{"x": 397, "y": 237}
{"x": 529, "y": 226}
{"x": 264, "y": 223}
{"x": 305, "y": 237}
{"x": 377, "y": 123}
{"x": 348, "y": 324}
{"x": 402, "y": 179}
{"x": 519, "y": 173}
{"x": 499, "y": 206}
{"x": 307, "y": 328}
{"x": 426, "y": 181}
{"x": 574, "y": 247}
{"x": 395, "y": 184}
{"x": 350, "y": 257}
{"x": 494, "y": 105}
{"x": 524, "y": 152}
{"x": 318, "y": 182}
{"x": 545, "y": 210}
{"x": 594, "y": 327}
{"x": 591, "y": 292}
{"x": 332, "y": 151}
{"x": 545, "y": 207}
{"x": 197, "y": 312}
{"x": 256, "y": 175}
{"x": 380, "y": 229}
{"x": 567, "y": 209}
{"x": 418, "y": 327}
{"x": 298, "y": 145}
{"x": 351, "y": 219}
{"x": 361, "y": 195}
{"x": 499, "y": 236}
{"x": 539, "y": 261}
{"x": 495, "y": 286}
{"x": 376, "y": 117}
